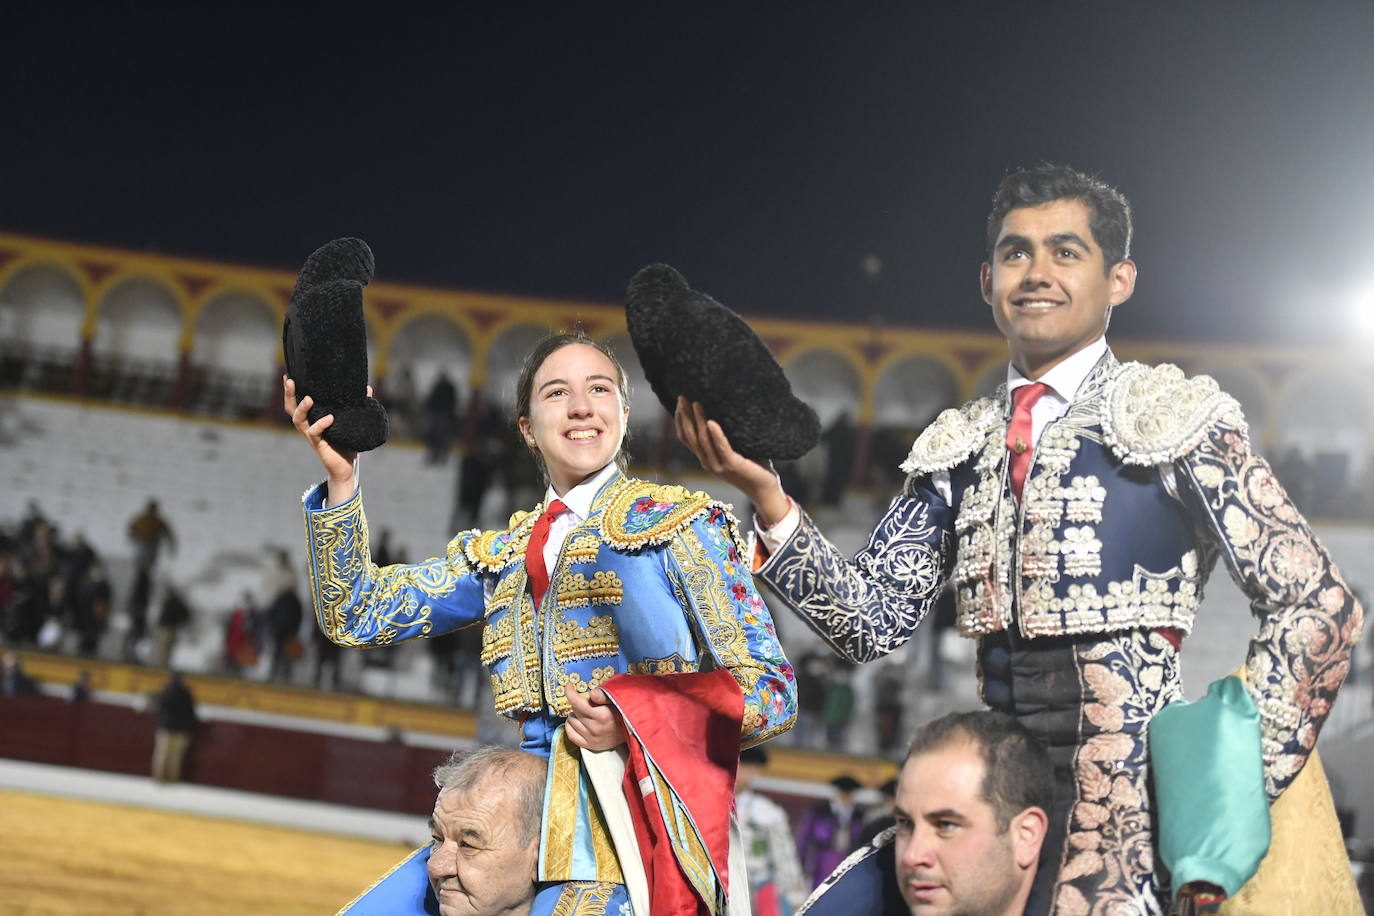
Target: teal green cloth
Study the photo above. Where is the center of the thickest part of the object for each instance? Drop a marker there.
(1209, 787)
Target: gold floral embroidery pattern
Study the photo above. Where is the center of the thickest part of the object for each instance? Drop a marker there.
(701, 587)
(598, 676)
(498, 640)
(582, 547)
(505, 689)
(389, 602)
(669, 509)
(494, 550)
(584, 898)
(599, 637)
(1310, 619)
(673, 664)
(576, 590)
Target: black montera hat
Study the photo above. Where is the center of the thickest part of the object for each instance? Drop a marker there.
(691, 345)
(324, 342)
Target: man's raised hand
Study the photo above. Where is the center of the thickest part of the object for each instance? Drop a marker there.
(704, 437)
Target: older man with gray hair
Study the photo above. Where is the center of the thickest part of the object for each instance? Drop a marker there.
(485, 827)
(484, 853)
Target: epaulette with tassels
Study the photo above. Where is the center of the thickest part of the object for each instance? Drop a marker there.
(494, 550)
(639, 513)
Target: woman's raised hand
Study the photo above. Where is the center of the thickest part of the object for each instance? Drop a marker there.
(338, 465)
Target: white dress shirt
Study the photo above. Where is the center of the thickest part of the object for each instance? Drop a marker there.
(579, 503)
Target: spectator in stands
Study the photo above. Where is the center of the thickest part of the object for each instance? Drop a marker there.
(284, 613)
(830, 829)
(839, 705)
(475, 474)
(327, 655)
(839, 459)
(813, 677)
(889, 707)
(9, 591)
(401, 398)
(81, 688)
(775, 872)
(241, 645)
(148, 531)
(971, 819)
(174, 615)
(28, 525)
(383, 554)
(93, 599)
(13, 681)
(39, 558)
(882, 815)
(284, 617)
(140, 598)
(176, 725)
(441, 418)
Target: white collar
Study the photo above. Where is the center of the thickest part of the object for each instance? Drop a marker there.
(579, 498)
(1068, 376)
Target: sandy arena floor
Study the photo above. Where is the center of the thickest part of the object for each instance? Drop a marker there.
(61, 855)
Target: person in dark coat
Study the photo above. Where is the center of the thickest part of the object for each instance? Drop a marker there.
(176, 725)
(13, 681)
(284, 618)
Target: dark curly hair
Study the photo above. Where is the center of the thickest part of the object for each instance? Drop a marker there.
(1046, 183)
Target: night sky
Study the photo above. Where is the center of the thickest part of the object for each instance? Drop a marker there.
(764, 149)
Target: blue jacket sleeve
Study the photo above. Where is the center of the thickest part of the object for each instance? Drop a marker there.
(358, 603)
(711, 577)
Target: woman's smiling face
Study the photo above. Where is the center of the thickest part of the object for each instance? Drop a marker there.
(577, 414)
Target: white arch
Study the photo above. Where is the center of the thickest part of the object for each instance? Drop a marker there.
(428, 345)
(139, 319)
(504, 359)
(912, 391)
(1326, 410)
(237, 332)
(827, 382)
(1245, 386)
(41, 306)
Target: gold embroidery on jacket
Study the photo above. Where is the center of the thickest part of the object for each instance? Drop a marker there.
(582, 547)
(576, 590)
(598, 638)
(673, 664)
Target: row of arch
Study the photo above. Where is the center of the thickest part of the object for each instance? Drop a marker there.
(121, 306)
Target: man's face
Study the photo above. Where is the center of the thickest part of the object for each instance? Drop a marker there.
(1048, 285)
(951, 858)
(478, 865)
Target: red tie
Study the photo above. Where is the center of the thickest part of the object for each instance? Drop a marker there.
(534, 551)
(1019, 439)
